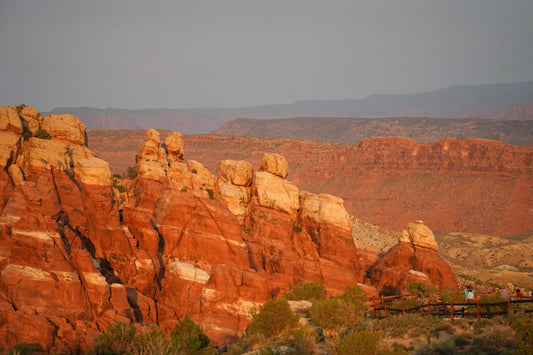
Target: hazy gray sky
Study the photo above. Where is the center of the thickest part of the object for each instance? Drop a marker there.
(173, 54)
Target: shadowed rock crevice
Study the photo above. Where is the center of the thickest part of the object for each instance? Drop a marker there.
(105, 268)
(132, 300)
(160, 251)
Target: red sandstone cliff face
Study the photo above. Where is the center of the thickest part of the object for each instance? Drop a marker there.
(74, 260)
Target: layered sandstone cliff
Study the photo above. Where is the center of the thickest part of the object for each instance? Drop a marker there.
(77, 254)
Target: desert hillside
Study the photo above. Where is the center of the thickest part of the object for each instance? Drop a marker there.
(471, 185)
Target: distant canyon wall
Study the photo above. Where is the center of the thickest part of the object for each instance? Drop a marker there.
(514, 112)
(471, 185)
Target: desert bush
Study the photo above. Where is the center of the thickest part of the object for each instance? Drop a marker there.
(522, 324)
(153, 341)
(119, 338)
(25, 349)
(400, 325)
(450, 294)
(404, 304)
(494, 299)
(462, 339)
(187, 337)
(327, 314)
(308, 291)
(121, 188)
(441, 326)
(273, 317)
(422, 291)
(494, 342)
(131, 172)
(428, 345)
(20, 108)
(360, 342)
(299, 341)
(355, 298)
(42, 134)
(210, 193)
(297, 229)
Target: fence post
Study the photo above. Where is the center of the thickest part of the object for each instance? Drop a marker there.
(386, 311)
(451, 310)
(478, 310)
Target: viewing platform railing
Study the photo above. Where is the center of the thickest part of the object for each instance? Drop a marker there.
(382, 307)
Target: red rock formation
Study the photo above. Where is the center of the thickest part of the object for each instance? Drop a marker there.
(73, 260)
(414, 259)
(389, 181)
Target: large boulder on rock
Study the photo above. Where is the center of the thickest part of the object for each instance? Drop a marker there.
(325, 209)
(418, 234)
(174, 146)
(413, 259)
(66, 128)
(10, 120)
(275, 193)
(236, 172)
(93, 171)
(275, 164)
(32, 117)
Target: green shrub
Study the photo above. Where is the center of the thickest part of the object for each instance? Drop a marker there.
(493, 299)
(42, 134)
(131, 172)
(434, 346)
(299, 341)
(153, 341)
(450, 294)
(194, 171)
(297, 229)
(25, 349)
(495, 342)
(355, 297)
(462, 339)
(119, 338)
(121, 188)
(362, 342)
(404, 304)
(210, 193)
(273, 317)
(353, 302)
(522, 324)
(328, 314)
(188, 337)
(308, 291)
(27, 134)
(422, 291)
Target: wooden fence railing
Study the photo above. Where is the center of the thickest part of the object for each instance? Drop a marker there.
(382, 308)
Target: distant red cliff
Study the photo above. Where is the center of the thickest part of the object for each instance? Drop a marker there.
(472, 185)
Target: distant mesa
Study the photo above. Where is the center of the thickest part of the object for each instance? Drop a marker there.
(497, 101)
